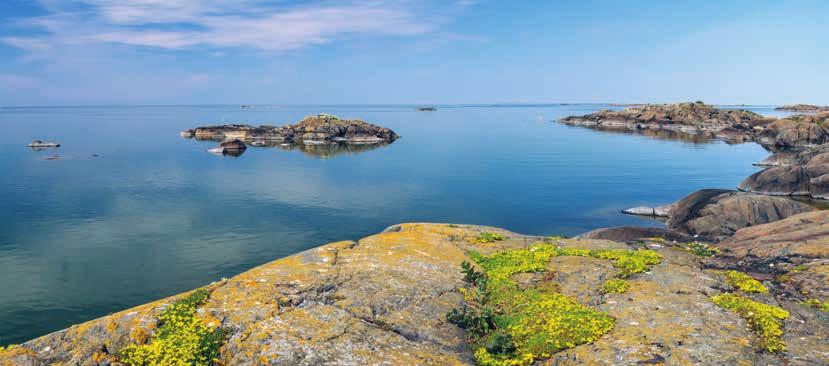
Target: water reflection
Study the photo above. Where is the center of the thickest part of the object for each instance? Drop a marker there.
(317, 150)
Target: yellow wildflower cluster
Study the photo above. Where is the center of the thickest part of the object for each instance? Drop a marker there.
(487, 237)
(536, 322)
(744, 282)
(615, 286)
(766, 320)
(182, 339)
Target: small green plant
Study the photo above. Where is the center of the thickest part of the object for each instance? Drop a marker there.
(817, 304)
(766, 320)
(181, 338)
(702, 249)
(452, 225)
(487, 237)
(744, 282)
(615, 286)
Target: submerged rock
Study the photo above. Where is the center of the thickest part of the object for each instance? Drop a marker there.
(322, 128)
(716, 214)
(383, 300)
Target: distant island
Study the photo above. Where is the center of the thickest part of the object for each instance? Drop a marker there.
(803, 108)
(313, 130)
(427, 109)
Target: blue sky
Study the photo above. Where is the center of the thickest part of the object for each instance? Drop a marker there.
(81, 52)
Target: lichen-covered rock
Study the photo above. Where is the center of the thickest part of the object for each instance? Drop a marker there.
(802, 172)
(803, 108)
(716, 214)
(383, 301)
(319, 129)
(800, 236)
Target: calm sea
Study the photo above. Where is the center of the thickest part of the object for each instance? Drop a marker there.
(131, 212)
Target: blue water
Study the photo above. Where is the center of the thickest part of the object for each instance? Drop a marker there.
(154, 214)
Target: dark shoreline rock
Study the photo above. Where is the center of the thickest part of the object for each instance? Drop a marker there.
(314, 130)
(802, 172)
(716, 214)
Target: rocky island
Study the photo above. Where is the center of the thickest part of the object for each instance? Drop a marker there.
(314, 130)
(699, 119)
(803, 108)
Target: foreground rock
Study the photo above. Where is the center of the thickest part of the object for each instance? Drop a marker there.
(803, 108)
(802, 172)
(383, 300)
(705, 121)
(716, 214)
(626, 234)
(320, 129)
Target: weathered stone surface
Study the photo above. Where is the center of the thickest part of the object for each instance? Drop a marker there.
(382, 301)
(716, 214)
(634, 233)
(318, 129)
(804, 172)
(658, 211)
(800, 236)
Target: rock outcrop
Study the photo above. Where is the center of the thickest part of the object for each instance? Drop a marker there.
(705, 121)
(314, 130)
(383, 300)
(658, 211)
(803, 108)
(626, 234)
(716, 214)
(803, 172)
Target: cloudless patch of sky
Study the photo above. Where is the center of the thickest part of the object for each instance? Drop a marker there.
(388, 51)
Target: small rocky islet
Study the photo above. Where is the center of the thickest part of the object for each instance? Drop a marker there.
(313, 130)
(736, 277)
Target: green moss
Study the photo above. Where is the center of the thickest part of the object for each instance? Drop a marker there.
(509, 325)
(615, 286)
(766, 320)
(817, 304)
(744, 282)
(181, 338)
(702, 249)
(487, 237)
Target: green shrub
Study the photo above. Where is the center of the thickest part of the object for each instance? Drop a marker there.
(702, 249)
(766, 320)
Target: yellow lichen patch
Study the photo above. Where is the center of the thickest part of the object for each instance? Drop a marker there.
(488, 237)
(766, 320)
(744, 282)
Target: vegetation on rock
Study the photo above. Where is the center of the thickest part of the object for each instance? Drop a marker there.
(766, 320)
(615, 286)
(702, 249)
(817, 304)
(511, 325)
(181, 339)
(487, 237)
(744, 282)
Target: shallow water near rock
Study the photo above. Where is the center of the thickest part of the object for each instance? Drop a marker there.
(132, 212)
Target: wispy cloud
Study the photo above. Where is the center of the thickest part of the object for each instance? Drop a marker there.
(217, 24)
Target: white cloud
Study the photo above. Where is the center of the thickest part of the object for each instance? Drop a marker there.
(187, 24)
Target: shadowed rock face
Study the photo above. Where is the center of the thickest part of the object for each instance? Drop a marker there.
(803, 172)
(320, 129)
(702, 122)
(716, 214)
(383, 300)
